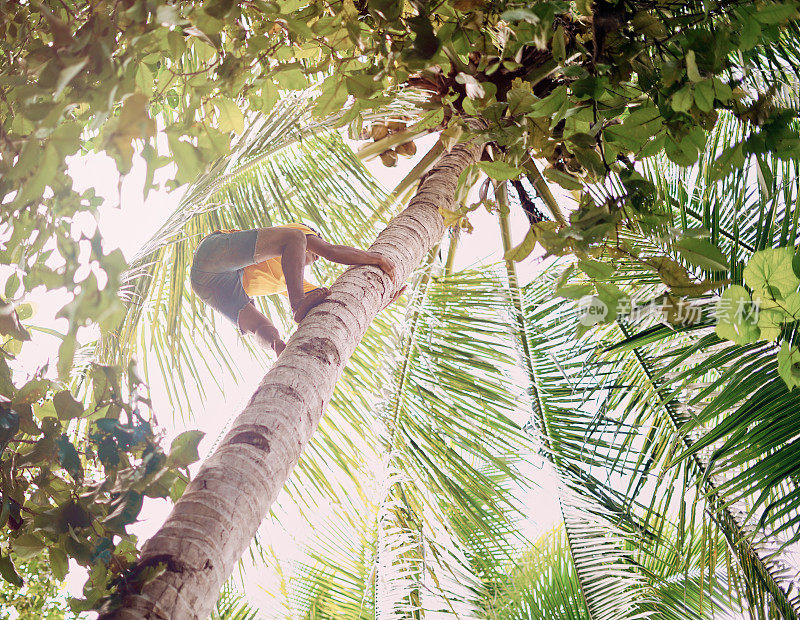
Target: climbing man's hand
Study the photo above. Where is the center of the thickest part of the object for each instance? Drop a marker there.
(384, 264)
(278, 346)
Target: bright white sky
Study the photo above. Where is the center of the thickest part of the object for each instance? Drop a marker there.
(126, 221)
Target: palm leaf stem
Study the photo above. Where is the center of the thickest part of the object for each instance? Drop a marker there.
(422, 166)
(519, 317)
(521, 330)
(420, 292)
(543, 190)
(389, 142)
(455, 235)
(407, 345)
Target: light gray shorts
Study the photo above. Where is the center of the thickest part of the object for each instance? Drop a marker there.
(217, 267)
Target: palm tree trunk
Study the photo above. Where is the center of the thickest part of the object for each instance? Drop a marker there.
(212, 525)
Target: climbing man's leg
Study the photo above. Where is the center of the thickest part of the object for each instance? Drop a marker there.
(251, 321)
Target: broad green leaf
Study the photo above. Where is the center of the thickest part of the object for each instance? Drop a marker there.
(704, 95)
(683, 153)
(683, 99)
(66, 356)
(647, 23)
(32, 391)
(66, 75)
(549, 105)
(27, 546)
(332, 98)
(8, 572)
(701, 253)
(558, 44)
(731, 158)
(187, 158)
(637, 128)
(68, 458)
(25, 311)
(771, 270)
(776, 12)
(66, 406)
(362, 86)
(591, 161)
(12, 284)
(125, 510)
(567, 181)
(230, 116)
(133, 123)
(7, 387)
(574, 291)
(500, 170)
(751, 31)
(218, 9)
(59, 563)
(523, 250)
(516, 15)
(595, 269)
(66, 138)
(770, 322)
(9, 425)
(691, 67)
(178, 487)
(736, 317)
(722, 90)
(615, 299)
(108, 451)
(792, 305)
(183, 450)
(789, 364)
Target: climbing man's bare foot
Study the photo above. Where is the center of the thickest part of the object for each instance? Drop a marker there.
(270, 339)
(311, 299)
(278, 346)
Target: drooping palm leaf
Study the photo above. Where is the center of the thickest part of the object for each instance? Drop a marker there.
(441, 549)
(610, 429)
(285, 168)
(742, 421)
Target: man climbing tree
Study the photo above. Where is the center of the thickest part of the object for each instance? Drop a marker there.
(232, 266)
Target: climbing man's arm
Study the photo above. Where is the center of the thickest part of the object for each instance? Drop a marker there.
(346, 255)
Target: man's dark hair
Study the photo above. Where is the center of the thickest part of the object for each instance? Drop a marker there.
(314, 229)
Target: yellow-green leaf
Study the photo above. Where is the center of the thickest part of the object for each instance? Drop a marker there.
(701, 253)
(183, 450)
(66, 406)
(736, 317)
(771, 270)
(230, 116)
(500, 170)
(27, 546)
(789, 364)
(59, 563)
(524, 249)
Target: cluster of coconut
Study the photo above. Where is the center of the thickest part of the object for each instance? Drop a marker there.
(380, 130)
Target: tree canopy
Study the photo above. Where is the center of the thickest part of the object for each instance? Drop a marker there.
(597, 97)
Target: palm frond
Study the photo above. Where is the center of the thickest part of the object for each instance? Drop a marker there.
(611, 428)
(231, 605)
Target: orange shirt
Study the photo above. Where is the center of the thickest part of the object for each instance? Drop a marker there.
(266, 278)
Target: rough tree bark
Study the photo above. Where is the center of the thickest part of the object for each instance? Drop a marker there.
(212, 525)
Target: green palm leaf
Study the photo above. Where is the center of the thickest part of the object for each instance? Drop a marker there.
(278, 174)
